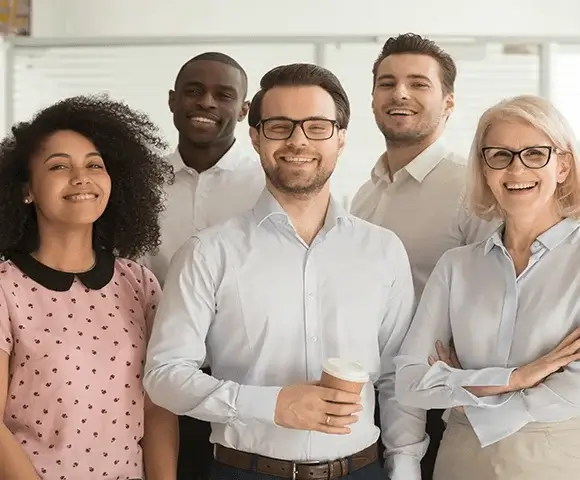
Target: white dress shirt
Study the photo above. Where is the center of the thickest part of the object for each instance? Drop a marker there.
(424, 204)
(498, 322)
(266, 310)
(195, 201)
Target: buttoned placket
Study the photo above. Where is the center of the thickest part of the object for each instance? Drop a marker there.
(511, 298)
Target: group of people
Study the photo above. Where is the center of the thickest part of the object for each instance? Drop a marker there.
(147, 302)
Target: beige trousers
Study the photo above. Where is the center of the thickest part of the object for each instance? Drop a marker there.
(539, 451)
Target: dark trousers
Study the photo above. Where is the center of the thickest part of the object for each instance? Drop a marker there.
(219, 471)
(195, 451)
(435, 428)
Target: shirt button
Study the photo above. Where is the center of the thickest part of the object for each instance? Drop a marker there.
(311, 294)
(314, 339)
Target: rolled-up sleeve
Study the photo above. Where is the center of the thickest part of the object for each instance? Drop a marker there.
(177, 349)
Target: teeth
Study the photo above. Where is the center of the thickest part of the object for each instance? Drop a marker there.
(203, 120)
(81, 196)
(297, 159)
(520, 186)
(400, 112)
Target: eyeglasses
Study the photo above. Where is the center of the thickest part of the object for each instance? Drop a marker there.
(281, 128)
(532, 157)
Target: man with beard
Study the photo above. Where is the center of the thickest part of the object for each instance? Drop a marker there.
(417, 187)
(268, 296)
(215, 178)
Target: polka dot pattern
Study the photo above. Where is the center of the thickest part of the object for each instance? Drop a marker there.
(75, 401)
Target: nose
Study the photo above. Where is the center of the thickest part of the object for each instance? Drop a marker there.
(80, 176)
(207, 101)
(298, 138)
(516, 166)
(400, 92)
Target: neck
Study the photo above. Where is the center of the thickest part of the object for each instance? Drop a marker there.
(400, 154)
(70, 251)
(521, 231)
(307, 213)
(203, 157)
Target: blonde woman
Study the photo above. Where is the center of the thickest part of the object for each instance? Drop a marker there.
(511, 305)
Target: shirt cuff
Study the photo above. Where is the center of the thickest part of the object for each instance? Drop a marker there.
(403, 467)
(487, 377)
(257, 404)
(492, 425)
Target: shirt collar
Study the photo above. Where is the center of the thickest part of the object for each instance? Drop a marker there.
(550, 239)
(95, 279)
(419, 167)
(229, 160)
(267, 206)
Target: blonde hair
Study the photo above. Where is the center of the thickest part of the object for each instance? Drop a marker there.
(542, 115)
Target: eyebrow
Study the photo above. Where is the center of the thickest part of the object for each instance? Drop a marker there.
(66, 155)
(221, 86)
(416, 76)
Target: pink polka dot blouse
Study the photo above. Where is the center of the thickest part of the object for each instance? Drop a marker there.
(77, 349)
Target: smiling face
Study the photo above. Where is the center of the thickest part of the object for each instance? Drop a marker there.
(69, 185)
(520, 190)
(408, 100)
(298, 165)
(208, 102)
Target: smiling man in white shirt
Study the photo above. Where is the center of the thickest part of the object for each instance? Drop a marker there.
(268, 296)
(417, 187)
(215, 178)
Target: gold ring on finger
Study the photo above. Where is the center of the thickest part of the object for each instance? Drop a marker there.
(328, 419)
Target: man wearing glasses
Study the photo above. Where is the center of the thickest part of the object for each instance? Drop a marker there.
(269, 296)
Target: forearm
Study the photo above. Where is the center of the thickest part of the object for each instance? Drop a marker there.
(441, 386)
(182, 388)
(403, 434)
(14, 463)
(160, 444)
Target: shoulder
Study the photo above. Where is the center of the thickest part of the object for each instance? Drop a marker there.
(137, 274)
(360, 196)
(374, 239)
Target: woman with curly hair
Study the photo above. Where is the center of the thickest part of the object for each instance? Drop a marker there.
(80, 193)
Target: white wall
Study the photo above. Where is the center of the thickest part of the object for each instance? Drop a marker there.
(3, 75)
(528, 18)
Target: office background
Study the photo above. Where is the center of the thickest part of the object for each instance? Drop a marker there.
(132, 49)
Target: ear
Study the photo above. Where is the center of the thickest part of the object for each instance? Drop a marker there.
(27, 196)
(449, 104)
(564, 167)
(255, 137)
(341, 140)
(171, 100)
(244, 111)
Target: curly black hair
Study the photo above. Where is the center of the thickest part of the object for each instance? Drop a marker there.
(131, 148)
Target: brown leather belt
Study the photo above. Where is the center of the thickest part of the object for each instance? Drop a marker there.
(296, 471)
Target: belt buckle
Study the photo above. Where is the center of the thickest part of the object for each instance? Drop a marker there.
(294, 471)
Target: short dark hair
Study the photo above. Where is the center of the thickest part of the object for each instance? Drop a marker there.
(413, 43)
(130, 146)
(301, 74)
(216, 57)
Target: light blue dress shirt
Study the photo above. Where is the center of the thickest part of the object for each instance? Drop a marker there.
(498, 322)
(266, 310)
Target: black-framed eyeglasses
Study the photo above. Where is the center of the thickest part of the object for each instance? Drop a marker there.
(498, 158)
(282, 128)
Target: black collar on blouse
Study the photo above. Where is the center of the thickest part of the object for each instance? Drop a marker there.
(95, 279)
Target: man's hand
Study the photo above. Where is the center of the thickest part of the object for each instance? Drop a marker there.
(310, 407)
